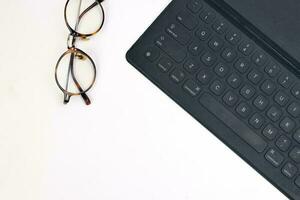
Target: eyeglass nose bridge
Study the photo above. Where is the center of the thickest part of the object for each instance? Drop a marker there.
(72, 40)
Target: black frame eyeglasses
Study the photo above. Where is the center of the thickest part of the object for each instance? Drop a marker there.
(74, 53)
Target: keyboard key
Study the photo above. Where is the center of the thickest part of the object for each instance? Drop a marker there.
(244, 110)
(274, 157)
(230, 98)
(178, 33)
(287, 124)
(208, 16)
(216, 44)
(177, 76)
(165, 64)
(191, 66)
(295, 154)
(221, 70)
(283, 143)
(274, 114)
(203, 33)
(246, 48)
(152, 54)
(234, 81)
(194, 6)
(261, 103)
(296, 91)
(247, 91)
(169, 46)
(220, 26)
(270, 132)
(272, 70)
(192, 88)
(204, 77)
(256, 121)
(242, 65)
(289, 170)
(195, 48)
(281, 98)
(209, 59)
(234, 123)
(229, 55)
(297, 136)
(285, 80)
(268, 87)
(233, 37)
(217, 87)
(259, 58)
(187, 20)
(255, 76)
(297, 181)
(294, 109)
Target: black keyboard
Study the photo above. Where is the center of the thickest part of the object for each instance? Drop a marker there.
(230, 82)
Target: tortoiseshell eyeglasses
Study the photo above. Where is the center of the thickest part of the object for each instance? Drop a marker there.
(75, 71)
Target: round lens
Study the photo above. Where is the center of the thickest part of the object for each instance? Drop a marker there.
(75, 72)
(84, 17)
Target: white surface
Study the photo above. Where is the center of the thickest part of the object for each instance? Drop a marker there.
(132, 143)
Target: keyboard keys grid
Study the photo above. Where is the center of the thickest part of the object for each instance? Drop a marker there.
(211, 61)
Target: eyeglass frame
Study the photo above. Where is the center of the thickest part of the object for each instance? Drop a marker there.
(73, 35)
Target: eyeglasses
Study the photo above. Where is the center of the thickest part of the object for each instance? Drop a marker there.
(75, 71)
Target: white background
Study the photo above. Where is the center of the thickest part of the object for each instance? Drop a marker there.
(132, 143)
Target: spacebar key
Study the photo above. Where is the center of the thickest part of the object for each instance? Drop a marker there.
(236, 125)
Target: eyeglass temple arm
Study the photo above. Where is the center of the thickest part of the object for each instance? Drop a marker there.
(89, 8)
(82, 93)
(67, 96)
